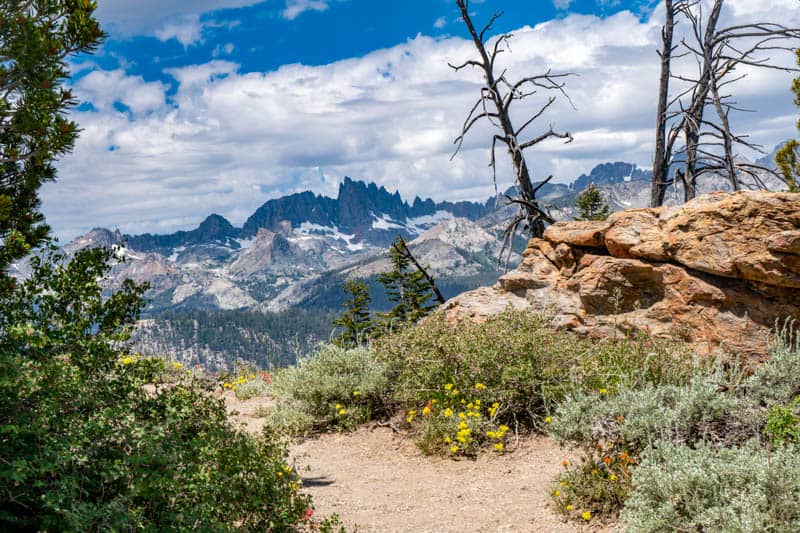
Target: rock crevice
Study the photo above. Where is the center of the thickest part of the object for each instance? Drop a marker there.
(718, 272)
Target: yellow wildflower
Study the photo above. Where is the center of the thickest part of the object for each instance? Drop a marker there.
(461, 439)
(547, 420)
(338, 406)
(586, 515)
(478, 403)
(557, 493)
(612, 477)
(342, 411)
(448, 440)
(569, 507)
(480, 386)
(448, 412)
(177, 366)
(503, 428)
(491, 434)
(462, 416)
(426, 410)
(603, 392)
(470, 405)
(499, 446)
(462, 425)
(128, 360)
(453, 448)
(356, 393)
(448, 386)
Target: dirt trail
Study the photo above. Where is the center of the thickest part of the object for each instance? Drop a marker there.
(378, 481)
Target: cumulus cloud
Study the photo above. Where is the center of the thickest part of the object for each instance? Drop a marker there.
(155, 158)
(440, 23)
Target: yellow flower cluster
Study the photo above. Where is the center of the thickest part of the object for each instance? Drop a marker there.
(471, 418)
(241, 380)
(127, 360)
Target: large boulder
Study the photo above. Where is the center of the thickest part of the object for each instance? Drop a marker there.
(718, 272)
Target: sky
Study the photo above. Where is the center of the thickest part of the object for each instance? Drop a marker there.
(193, 107)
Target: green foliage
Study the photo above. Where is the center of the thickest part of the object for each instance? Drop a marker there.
(355, 322)
(525, 365)
(599, 484)
(634, 419)
(84, 446)
(782, 424)
(788, 157)
(36, 39)
(679, 488)
(459, 423)
(333, 387)
(591, 205)
(406, 288)
(719, 408)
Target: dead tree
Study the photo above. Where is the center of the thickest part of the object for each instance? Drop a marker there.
(708, 141)
(401, 248)
(497, 96)
(665, 139)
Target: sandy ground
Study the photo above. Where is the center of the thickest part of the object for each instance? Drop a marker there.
(376, 480)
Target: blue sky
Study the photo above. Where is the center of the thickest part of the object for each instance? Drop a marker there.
(200, 106)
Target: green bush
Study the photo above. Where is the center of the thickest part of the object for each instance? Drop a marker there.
(677, 488)
(333, 387)
(526, 366)
(84, 446)
(719, 407)
(456, 422)
(636, 419)
(782, 423)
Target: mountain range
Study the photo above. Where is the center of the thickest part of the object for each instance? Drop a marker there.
(296, 251)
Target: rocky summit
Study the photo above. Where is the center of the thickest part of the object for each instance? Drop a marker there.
(718, 272)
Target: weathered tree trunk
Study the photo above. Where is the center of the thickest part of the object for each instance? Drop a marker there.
(663, 153)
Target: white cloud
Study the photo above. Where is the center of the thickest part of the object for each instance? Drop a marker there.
(164, 19)
(186, 31)
(440, 23)
(562, 4)
(225, 140)
(294, 8)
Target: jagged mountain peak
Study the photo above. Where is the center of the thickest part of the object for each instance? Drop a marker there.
(95, 238)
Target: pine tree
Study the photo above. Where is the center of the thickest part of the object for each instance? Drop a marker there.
(788, 157)
(36, 39)
(355, 321)
(406, 287)
(591, 205)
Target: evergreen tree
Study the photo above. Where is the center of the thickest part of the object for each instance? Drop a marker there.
(36, 39)
(788, 157)
(355, 322)
(406, 287)
(591, 205)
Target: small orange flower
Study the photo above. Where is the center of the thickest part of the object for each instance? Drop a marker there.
(607, 460)
(565, 463)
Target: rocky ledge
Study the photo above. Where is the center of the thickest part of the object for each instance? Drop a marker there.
(718, 272)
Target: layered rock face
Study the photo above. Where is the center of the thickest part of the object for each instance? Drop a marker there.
(717, 272)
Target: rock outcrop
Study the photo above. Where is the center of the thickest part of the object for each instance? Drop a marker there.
(717, 272)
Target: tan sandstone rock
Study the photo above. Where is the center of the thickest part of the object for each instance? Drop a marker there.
(717, 272)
